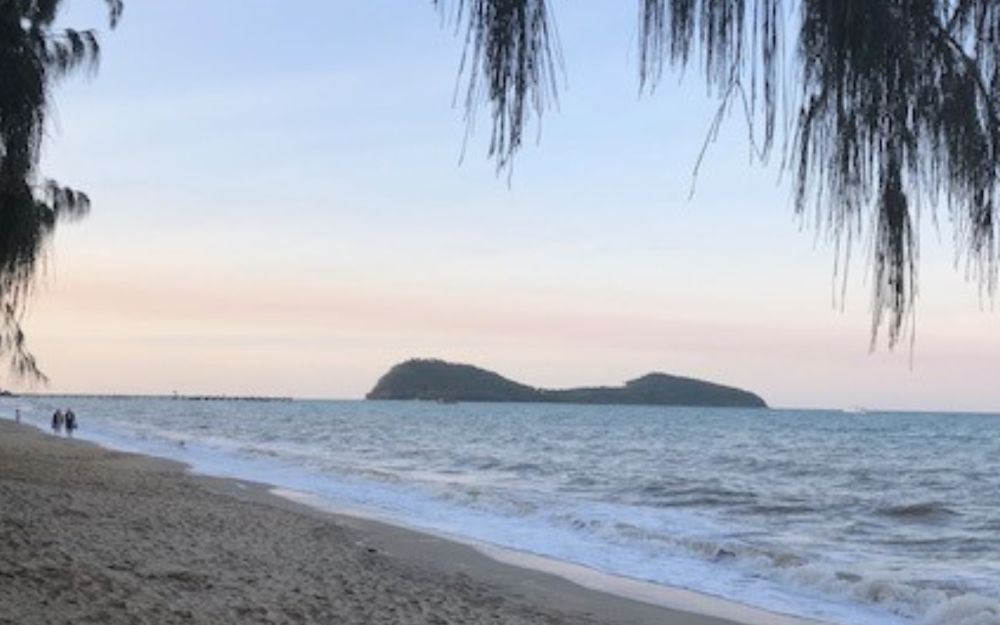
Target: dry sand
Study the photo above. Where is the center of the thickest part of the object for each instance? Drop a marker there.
(89, 535)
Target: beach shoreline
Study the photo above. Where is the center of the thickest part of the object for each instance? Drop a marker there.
(96, 535)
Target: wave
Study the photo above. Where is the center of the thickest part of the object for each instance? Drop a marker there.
(661, 494)
(927, 511)
(526, 468)
(924, 602)
(965, 610)
(780, 509)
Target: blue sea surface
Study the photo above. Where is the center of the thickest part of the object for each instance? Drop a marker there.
(850, 518)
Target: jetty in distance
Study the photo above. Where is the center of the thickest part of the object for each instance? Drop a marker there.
(253, 398)
(178, 396)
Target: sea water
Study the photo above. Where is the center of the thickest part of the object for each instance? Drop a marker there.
(857, 519)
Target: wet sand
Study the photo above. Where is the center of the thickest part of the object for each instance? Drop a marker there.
(89, 535)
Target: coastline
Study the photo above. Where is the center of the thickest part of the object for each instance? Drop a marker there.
(92, 534)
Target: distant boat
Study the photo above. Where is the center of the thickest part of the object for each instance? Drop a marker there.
(855, 410)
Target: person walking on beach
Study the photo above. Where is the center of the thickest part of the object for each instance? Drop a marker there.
(57, 421)
(70, 423)
(17, 415)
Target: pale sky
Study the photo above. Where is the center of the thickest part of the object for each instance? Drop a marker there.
(279, 208)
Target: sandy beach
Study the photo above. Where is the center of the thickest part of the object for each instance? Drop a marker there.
(89, 535)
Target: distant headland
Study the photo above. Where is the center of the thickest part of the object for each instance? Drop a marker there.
(437, 380)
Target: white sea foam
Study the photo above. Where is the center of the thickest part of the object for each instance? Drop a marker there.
(965, 610)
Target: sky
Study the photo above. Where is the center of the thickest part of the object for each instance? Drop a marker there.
(289, 204)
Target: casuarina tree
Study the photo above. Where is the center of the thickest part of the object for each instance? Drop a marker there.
(878, 106)
(34, 55)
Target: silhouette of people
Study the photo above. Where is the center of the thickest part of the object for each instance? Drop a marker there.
(17, 415)
(57, 421)
(70, 423)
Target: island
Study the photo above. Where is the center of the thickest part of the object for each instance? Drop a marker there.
(438, 380)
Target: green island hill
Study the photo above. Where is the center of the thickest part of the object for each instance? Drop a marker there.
(437, 380)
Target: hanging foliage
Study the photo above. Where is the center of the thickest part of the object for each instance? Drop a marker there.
(33, 57)
(893, 103)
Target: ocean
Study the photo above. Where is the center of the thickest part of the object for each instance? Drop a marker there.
(848, 518)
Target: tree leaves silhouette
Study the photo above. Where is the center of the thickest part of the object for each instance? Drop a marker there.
(893, 103)
(34, 55)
